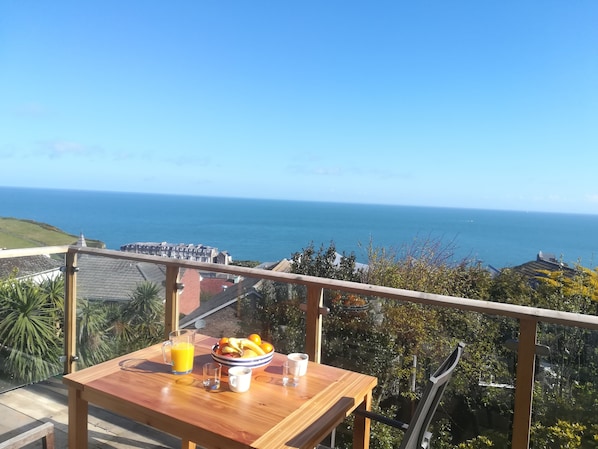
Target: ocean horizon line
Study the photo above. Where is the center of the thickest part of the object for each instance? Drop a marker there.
(298, 200)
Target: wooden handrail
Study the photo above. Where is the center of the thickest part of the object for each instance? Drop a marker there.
(37, 251)
(453, 302)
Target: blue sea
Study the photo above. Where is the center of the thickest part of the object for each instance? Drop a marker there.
(270, 230)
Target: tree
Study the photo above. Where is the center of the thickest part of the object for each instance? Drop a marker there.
(142, 322)
(355, 338)
(561, 435)
(427, 333)
(582, 286)
(276, 313)
(29, 331)
(321, 263)
(92, 333)
(568, 381)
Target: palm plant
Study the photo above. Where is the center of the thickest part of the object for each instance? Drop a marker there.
(53, 289)
(142, 321)
(92, 340)
(28, 331)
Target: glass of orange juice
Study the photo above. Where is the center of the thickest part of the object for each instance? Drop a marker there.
(180, 355)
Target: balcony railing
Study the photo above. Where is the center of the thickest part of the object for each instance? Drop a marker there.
(527, 317)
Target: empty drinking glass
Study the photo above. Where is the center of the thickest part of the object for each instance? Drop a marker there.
(211, 376)
(290, 373)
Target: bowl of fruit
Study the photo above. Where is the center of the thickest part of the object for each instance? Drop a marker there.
(250, 352)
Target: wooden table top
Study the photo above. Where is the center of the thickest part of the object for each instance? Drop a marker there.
(269, 415)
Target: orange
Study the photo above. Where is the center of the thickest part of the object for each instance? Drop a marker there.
(255, 338)
(223, 341)
(267, 347)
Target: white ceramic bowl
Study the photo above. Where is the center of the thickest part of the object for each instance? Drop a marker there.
(250, 362)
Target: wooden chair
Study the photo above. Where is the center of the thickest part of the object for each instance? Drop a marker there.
(45, 432)
(417, 435)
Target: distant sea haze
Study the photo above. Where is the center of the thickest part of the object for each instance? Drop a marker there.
(270, 230)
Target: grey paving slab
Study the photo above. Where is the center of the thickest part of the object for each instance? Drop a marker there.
(25, 407)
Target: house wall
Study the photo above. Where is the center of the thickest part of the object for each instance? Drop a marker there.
(189, 298)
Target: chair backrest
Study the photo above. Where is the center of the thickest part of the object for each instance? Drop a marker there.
(417, 435)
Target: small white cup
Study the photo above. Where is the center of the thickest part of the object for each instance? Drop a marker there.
(301, 360)
(239, 379)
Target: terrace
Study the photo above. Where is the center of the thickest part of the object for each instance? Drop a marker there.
(128, 434)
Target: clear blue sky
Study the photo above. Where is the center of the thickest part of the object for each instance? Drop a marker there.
(480, 104)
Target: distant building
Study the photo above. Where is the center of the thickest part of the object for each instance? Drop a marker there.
(544, 262)
(37, 268)
(115, 280)
(197, 253)
(220, 315)
(105, 279)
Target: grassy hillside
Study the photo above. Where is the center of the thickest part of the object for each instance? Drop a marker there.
(16, 233)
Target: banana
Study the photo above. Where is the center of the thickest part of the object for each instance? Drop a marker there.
(235, 343)
(246, 343)
(229, 350)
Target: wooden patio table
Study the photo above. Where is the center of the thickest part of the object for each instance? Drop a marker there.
(141, 387)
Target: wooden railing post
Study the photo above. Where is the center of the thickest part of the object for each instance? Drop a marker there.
(524, 383)
(70, 313)
(171, 319)
(313, 317)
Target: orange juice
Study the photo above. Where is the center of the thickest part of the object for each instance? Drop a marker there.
(182, 357)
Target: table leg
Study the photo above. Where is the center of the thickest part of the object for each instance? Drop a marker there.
(78, 410)
(361, 425)
(186, 444)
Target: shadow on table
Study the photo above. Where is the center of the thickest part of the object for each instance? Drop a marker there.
(144, 366)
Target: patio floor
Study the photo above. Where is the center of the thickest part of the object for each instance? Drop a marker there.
(26, 407)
